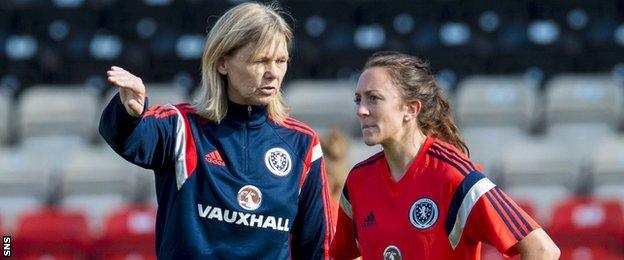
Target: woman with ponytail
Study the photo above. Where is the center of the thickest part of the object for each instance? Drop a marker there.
(422, 197)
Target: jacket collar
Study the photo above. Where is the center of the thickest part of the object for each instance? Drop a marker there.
(239, 115)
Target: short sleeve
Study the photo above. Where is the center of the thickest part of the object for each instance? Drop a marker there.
(497, 220)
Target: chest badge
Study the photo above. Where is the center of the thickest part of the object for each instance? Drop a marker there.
(277, 160)
(392, 253)
(249, 197)
(423, 213)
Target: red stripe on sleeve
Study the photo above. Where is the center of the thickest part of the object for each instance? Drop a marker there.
(296, 122)
(329, 226)
(191, 151)
(297, 126)
(307, 163)
(292, 124)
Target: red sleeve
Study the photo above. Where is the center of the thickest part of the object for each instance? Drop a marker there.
(497, 220)
(344, 244)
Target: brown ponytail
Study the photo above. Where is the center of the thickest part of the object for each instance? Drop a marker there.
(417, 82)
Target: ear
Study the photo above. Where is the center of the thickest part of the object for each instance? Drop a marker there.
(222, 66)
(413, 109)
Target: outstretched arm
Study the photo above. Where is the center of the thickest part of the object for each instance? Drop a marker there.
(141, 136)
(497, 220)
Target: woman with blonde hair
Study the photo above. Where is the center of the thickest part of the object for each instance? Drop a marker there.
(235, 176)
(422, 197)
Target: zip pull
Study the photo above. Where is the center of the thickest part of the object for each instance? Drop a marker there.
(248, 110)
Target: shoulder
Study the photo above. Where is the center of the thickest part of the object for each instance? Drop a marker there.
(294, 125)
(361, 169)
(300, 137)
(455, 169)
(365, 164)
(162, 111)
(361, 172)
(453, 162)
(185, 108)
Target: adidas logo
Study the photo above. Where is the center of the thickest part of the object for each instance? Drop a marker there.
(369, 221)
(215, 158)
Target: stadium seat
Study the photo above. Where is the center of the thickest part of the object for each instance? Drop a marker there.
(323, 104)
(158, 94)
(58, 110)
(582, 109)
(498, 100)
(489, 252)
(589, 222)
(52, 121)
(129, 233)
(589, 228)
(578, 249)
(493, 111)
(97, 176)
(539, 172)
(145, 188)
(607, 168)
(52, 232)
(588, 253)
(165, 93)
(6, 102)
(24, 184)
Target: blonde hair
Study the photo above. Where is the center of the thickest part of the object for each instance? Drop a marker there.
(248, 23)
(416, 82)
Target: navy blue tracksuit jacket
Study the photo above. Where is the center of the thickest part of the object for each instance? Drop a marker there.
(245, 188)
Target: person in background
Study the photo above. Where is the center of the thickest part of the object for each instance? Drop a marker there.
(422, 197)
(236, 178)
(335, 150)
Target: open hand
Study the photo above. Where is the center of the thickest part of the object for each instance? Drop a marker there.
(131, 89)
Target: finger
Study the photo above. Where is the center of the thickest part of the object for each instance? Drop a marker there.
(118, 72)
(112, 79)
(121, 82)
(124, 77)
(117, 68)
(127, 83)
(114, 72)
(115, 79)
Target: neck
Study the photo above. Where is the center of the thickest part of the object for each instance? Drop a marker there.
(401, 153)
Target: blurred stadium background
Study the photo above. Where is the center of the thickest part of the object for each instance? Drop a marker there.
(537, 88)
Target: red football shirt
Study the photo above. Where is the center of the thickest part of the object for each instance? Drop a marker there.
(442, 208)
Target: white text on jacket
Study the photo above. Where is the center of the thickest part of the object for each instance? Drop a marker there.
(244, 219)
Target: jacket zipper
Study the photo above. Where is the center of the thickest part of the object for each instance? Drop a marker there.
(246, 144)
